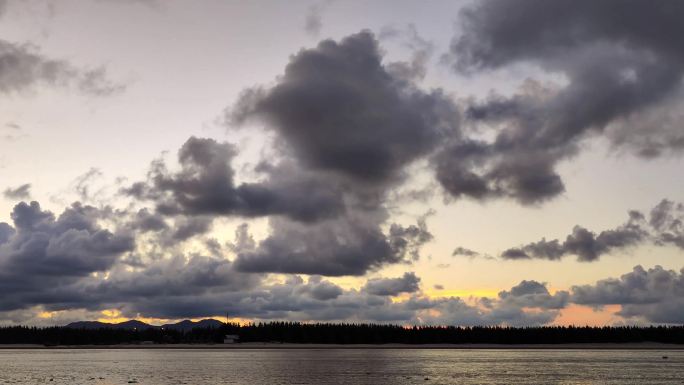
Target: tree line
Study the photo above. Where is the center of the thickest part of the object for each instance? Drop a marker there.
(345, 333)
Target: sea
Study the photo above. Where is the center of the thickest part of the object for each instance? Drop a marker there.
(341, 366)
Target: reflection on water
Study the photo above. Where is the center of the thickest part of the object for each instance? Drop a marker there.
(319, 367)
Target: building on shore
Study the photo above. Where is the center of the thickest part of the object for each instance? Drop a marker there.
(231, 338)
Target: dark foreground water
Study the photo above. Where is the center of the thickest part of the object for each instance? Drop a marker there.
(320, 367)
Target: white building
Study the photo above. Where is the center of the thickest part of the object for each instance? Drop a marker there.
(231, 338)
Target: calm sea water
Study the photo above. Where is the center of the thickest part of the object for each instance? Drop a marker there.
(319, 367)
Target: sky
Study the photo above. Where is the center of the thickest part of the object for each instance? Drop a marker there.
(494, 162)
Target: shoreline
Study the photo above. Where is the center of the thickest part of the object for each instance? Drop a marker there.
(293, 346)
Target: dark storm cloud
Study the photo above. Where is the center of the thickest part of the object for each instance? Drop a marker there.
(664, 227)
(19, 192)
(23, 67)
(349, 245)
(41, 251)
(349, 121)
(205, 185)
(618, 69)
(655, 295)
(339, 109)
(321, 223)
(408, 283)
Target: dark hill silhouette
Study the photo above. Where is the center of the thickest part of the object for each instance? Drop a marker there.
(185, 325)
(188, 325)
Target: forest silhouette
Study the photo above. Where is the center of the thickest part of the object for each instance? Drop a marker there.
(342, 333)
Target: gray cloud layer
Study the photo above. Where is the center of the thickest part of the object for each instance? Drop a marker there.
(205, 186)
(409, 283)
(654, 295)
(351, 245)
(347, 129)
(55, 263)
(201, 286)
(621, 74)
(663, 227)
(41, 253)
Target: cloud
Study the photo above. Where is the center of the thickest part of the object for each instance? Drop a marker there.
(410, 239)
(337, 108)
(655, 295)
(350, 245)
(12, 132)
(533, 294)
(346, 130)
(408, 283)
(319, 300)
(322, 290)
(320, 223)
(83, 184)
(528, 303)
(619, 77)
(470, 254)
(41, 251)
(146, 221)
(476, 169)
(176, 278)
(667, 219)
(462, 251)
(177, 291)
(72, 265)
(186, 228)
(19, 192)
(205, 185)
(456, 311)
(665, 227)
(421, 49)
(313, 22)
(22, 67)
(348, 126)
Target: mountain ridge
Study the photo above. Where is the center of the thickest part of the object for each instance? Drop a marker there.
(184, 325)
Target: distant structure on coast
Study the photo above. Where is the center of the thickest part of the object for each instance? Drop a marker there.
(230, 338)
